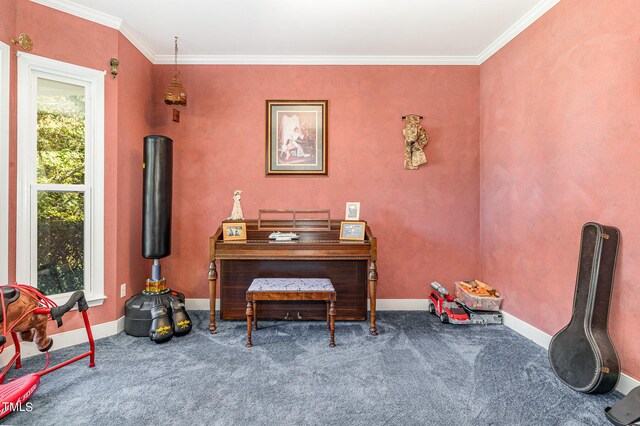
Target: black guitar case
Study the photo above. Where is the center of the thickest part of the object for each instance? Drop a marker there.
(582, 354)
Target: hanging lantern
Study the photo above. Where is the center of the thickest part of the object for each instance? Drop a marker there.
(175, 93)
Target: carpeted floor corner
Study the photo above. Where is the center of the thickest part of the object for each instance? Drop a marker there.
(416, 372)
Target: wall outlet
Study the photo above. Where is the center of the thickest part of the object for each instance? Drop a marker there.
(123, 290)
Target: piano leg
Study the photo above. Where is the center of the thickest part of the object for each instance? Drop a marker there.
(373, 280)
(212, 277)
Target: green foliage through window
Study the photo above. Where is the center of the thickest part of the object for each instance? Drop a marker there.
(61, 160)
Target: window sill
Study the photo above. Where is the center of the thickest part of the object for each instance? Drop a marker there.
(92, 300)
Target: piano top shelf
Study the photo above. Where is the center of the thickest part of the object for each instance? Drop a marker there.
(312, 242)
(294, 220)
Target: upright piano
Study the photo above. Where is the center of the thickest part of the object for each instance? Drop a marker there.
(317, 253)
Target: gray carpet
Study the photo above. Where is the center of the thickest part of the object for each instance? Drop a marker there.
(417, 371)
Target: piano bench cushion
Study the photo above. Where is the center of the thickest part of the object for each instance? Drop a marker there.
(291, 285)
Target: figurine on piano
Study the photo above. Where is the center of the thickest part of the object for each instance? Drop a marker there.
(236, 213)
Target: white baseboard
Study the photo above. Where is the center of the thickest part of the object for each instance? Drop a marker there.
(527, 330)
(400, 304)
(381, 304)
(199, 304)
(625, 384)
(66, 339)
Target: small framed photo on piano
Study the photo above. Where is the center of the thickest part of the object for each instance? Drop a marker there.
(234, 231)
(352, 211)
(352, 230)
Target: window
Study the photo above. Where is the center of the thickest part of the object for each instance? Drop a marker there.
(60, 218)
(4, 163)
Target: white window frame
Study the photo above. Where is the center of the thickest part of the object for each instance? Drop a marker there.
(30, 67)
(5, 58)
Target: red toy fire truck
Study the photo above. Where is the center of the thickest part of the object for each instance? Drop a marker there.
(442, 304)
(449, 310)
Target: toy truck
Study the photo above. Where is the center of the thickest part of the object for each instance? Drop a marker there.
(449, 310)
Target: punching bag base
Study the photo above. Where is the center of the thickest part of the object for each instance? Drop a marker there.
(137, 310)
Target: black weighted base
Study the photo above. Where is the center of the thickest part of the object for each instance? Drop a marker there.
(137, 311)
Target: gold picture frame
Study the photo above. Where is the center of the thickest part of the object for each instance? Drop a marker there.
(234, 231)
(296, 137)
(352, 231)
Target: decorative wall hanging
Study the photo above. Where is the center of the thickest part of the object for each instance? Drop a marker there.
(24, 41)
(175, 93)
(415, 139)
(114, 63)
(296, 138)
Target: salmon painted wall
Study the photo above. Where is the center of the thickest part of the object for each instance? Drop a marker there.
(135, 118)
(560, 132)
(7, 20)
(70, 39)
(426, 221)
(91, 45)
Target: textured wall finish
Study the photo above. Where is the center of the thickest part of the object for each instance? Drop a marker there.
(560, 132)
(135, 99)
(126, 122)
(426, 220)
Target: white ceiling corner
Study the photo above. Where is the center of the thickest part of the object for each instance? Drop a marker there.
(518, 27)
(299, 32)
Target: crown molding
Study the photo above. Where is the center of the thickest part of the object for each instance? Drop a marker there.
(101, 18)
(137, 42)
(98, 17)
(316, 60)
(540, 9)
(84, 12)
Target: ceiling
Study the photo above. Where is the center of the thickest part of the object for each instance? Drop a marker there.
(314, 31)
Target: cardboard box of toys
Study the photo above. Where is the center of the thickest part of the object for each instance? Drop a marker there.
(478, 295)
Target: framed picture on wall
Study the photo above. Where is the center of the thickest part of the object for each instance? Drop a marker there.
(352, 230)
(296, 138)
(234, 231)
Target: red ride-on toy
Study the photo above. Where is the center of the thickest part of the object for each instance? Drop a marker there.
(25, 310)
(442, 304)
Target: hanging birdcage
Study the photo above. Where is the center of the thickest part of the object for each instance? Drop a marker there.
(175, 93)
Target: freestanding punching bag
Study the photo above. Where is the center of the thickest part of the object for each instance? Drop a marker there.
(150, 312)
(156, 198)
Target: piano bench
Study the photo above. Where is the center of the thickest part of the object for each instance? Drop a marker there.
(283, 289)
